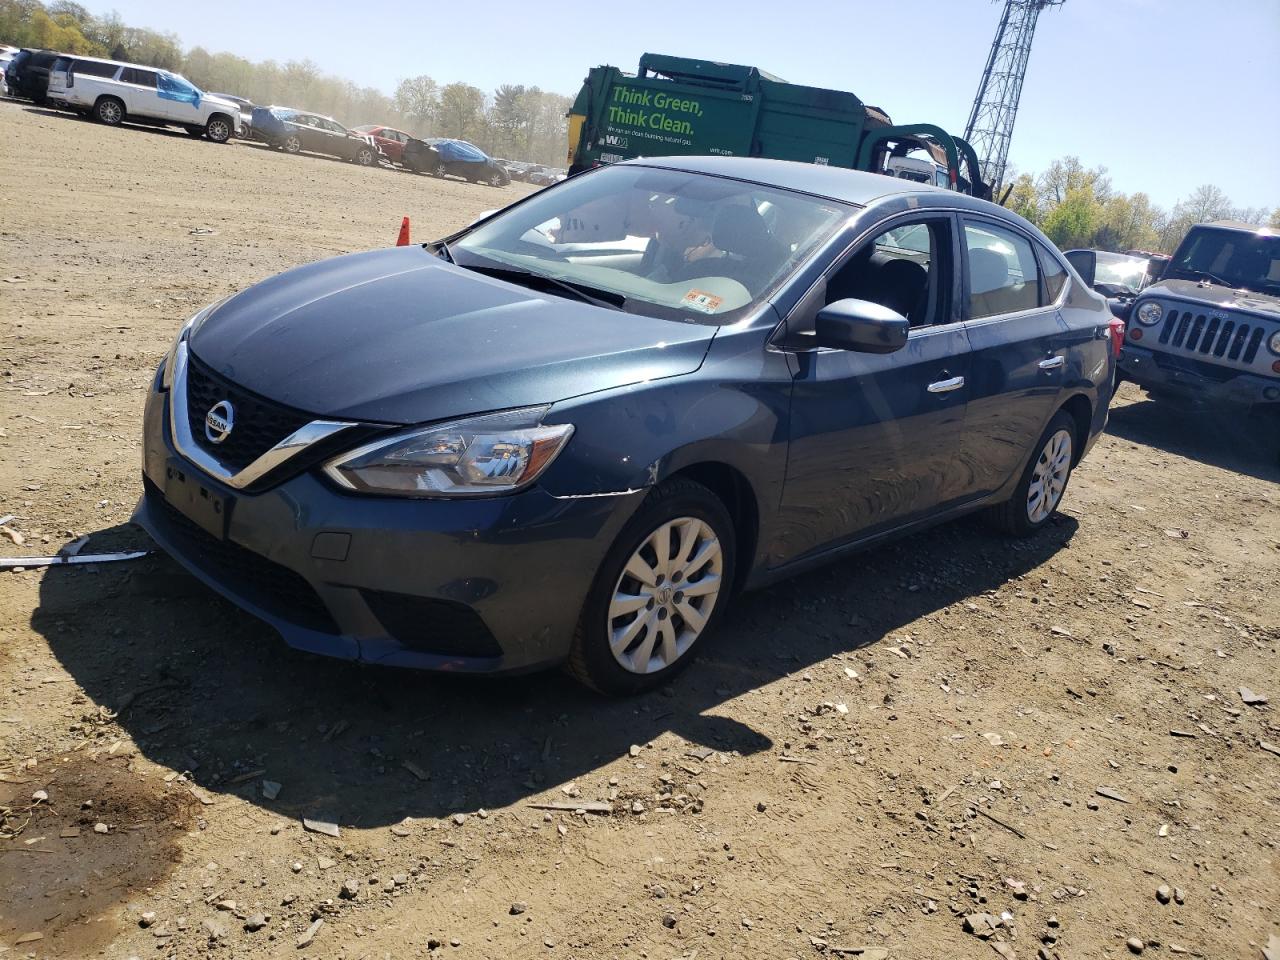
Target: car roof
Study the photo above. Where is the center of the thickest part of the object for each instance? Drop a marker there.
(1238, 225)
(120, 63)
(835, 183)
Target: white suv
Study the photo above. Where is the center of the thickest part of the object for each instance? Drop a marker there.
(114, 92)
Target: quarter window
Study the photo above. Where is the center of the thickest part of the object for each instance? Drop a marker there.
(1002, 271)
(89, 68)
(1055, 277)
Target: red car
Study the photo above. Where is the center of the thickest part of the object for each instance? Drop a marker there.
(391, 140)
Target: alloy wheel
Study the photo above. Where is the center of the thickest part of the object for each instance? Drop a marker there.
(1049, 477)
(109, 112)
(665, 595)
(219, 131)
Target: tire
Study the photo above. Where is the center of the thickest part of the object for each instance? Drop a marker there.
(438, 171)
(364, 156)
(1047, 474)
(495, 180)
(219, 129)
(698, 527)
(291, 144)
(109, 110)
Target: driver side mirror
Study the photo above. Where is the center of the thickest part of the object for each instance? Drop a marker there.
(861, 326)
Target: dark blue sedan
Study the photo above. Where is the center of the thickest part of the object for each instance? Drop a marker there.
(572, 432)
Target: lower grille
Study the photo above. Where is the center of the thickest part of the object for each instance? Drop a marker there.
(274, 588)
(432, 626)
(1216, 336)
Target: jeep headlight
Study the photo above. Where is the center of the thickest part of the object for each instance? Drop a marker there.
(1150, 313)
(478, 456)
(1273, 343)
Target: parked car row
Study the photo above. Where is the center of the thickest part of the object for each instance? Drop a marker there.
(114, 92)
(532, 172)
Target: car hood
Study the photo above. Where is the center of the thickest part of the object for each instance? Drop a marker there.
(400, 336)
(1223, 297)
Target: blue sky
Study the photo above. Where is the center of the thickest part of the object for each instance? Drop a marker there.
(1167, 94)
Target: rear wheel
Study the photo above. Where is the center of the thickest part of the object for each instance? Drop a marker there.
(1043, 482)
(109, 110)
(663, 585)
(291, 144)
(218, 129)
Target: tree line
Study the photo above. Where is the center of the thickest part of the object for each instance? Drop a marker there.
(515, 121)
(1077, 206)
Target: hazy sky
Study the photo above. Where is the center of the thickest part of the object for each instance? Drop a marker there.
(1167, 94)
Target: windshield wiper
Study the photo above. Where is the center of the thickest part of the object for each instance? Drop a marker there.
(442, 246)
(1210, 276)
(579, 291)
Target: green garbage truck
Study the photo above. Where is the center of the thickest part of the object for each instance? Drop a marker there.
(675, 105)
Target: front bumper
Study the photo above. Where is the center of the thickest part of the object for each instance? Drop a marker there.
(482, 585)
(1196, 379)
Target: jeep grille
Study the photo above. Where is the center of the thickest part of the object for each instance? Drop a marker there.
(1208, 335)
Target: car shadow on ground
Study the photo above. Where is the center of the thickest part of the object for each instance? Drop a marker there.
(202, 687)
(1229, 438)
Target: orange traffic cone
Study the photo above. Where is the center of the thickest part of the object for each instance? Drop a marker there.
(403, 239)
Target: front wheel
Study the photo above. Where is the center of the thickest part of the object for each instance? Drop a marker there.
(218, 129)
(662, 587)
(1043, 482)
(495, 179)
(291, 144)
(364, 156)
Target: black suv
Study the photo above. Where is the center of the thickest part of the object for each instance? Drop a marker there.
(27, 74)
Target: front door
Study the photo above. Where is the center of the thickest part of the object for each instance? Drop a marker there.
(1020, 346)
(874, 438)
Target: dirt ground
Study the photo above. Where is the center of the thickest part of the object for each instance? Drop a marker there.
(956, 725)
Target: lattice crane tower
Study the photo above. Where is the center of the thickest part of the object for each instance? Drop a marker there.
(995, 108)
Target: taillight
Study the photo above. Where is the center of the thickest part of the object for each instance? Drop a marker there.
(1117, 335)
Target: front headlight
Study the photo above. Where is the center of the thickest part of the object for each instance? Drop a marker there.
(1150, 313)
(197, 318)
(479, 456)
(1273, 343)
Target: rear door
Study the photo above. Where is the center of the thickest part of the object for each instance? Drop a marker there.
(1020, 343)
(341, 143)
(875, 438)
(138, 89)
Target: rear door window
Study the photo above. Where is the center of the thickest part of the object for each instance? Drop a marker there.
(1003, 277)
(142, 78)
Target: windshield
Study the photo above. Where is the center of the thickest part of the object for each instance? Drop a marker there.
(1120, 270)
(1233, 258)
(661, 242)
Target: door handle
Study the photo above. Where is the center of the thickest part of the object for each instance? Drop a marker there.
(946, 386)
(1052, 363)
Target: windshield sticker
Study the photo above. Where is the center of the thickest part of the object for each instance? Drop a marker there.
(701, 301)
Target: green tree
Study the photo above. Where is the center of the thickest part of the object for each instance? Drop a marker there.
(461, 112)
(418, 99)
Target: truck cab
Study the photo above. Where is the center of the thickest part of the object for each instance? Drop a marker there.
(1209, 329)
